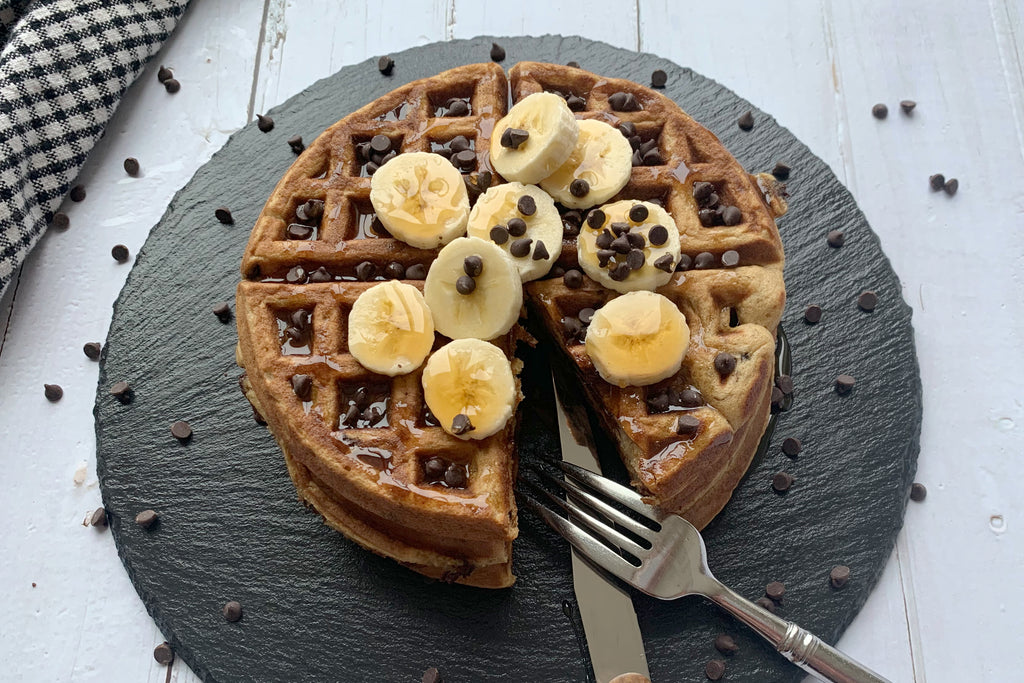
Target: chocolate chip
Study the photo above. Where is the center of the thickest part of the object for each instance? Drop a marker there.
(596, 219)
(725, 363)
(746, 120)
(122, 391)
(53, 392)
(120, 253)
(579, 188)
(146, 518)
(223, 312)
(264, 123)
(433, 468)
(844, 383)
(458, 108)
(321, 274)
(907, 106)
(162, 653)
(937, 182)
(366, 271)
(77, 193)
(131, 166)
(707, 217)
(295, 275)
(714, 670)
(657, 403)
(572, 326)
(163, 74)
(223, 215)
(951, 186)
(782, 481)
(98, 518)
(836, 239)
(540, 252)
(573, 279)
(181, 430)
(658, 235)
(604, 239)
(628, 129)
(527, 205)
(61, 221)
(172, 85)
(690, 398)
(465, 160)
(687, 425)
(465, 285)
(636, 240)
(521, 247)
(517, 227)
(385, 65)
(766, 604)
(731, 215)
(604, 256)
(417, 271)
(778, 399)
(92, 350)
(461, 425)
(298, 231)
(653, 158)
(879, 111)
(351, 416)
(295, 142)
(576, 103)
(775, 590)
(812, 314)
(726, 644)
(302, 385)
(867, 301)
(702, 190)
(497, 53)
(839, 576)
(918, 492)
(635, 259)
(587, 315)
(730, 258)
(483, 179)
(624, 101)
(638, 213)
(513, 137)
(785, 384)
(573, 64)
(781, 171)
(232, 610)
(621, 245)
(499, 234)
(380, 144)
(658, 78)
(473, 265)
(704, 260)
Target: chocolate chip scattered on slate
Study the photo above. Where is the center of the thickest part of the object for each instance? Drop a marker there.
(131, 166)
(731, 215)
(687, 425)
(98, 518)
(573, 279)
(907, 106)
(512, 138)
(540, 252)
(730, 258)
(867, 301)
(765, 603)
(813, 313)
(302, 385)
(461, 424)
(839, 576)
(499, 234)
(951, 186)
(785, 384)
(658, 78)
(624, 101)
(918, 492)
(92, 350)
(164, 74)
(417, 271)
(775, 590)
(163, 654)
(385, 65)
(223, 312)
(587, 315)
(879, 111)
(521, 247)
(714, 670)
(264, 123)
(53, 392)
(497, 53)
(746, 120)
(791, 446)
(465, 285)
(781, 170)
(431, 675)
(295, 142)
(844, 383)
(936, 182)
(77, 193)
(835, 238)
(172, 85)
(61, 221)
(638, 213)
(232, 610)
(726, 644)
(366, 271)
(120, 253)
(122, 391)
(146, 518)
(574, 64)
(181, 430)
(725, 363)
(778, 398)
(579, 188)
(223, 215)
(705, 259)
(527, 205)
(782, 481)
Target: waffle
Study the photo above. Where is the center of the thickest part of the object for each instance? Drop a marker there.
(734, 310)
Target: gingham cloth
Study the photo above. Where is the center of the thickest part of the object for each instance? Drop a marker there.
(64, 66)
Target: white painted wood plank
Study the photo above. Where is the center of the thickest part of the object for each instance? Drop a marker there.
(83, 620)
(611, 22)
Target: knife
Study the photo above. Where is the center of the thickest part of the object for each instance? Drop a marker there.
(609, 620)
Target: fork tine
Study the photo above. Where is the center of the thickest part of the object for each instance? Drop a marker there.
(584, 543)
(617, 492)
(623, 520)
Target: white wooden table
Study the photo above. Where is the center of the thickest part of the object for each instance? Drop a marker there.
(947, 608)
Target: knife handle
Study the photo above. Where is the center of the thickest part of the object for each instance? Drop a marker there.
(630, 678)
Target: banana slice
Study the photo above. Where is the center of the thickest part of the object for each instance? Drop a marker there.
(421, 199)
(469, 387)
(390, 329)
(642, 257)
(498, 217)
(473, 290)
(600, 166)
(637, 339)
(535, 138)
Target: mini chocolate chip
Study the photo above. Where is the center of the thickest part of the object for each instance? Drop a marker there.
(98, 518)
(92, 350)
(704, 260)
(295, 142)
(573, 279)
(77, 193)
(879, 111)
(164, 74)
(658, 235)
(918, 492)
(465, 160)
(573, 64)
(361, 398)
(146, 518)
(181, 430)
(302, 385)
(465, 285)
(620, 228)
(222, 311)
(708, 217)
(714, 670)
(844, 383)
(778, 398)
(120, 253)
(907, 106)
(587, 315)
(636, 240)
(295, 275)
(499, 234)
(433, 468)
(521, 247)
(576, 103)
(596, 219)
(473, 265)
(264, 123)
(653, 158)
(53, 392)
(497, 53)
(730, 258)
(687, 425)
(483, 179)
(380, 144)
(813, 313)
(61, 221)
(321, 274)
(839, 576)
(455, 475)
(624, 101)
(725, 363)
(517, 227)
(298, 231)
(621, 245)
(766, 604)
(417, 271)
(702, 190)
(638, 213)
(635, 259)
(223, 215)
(731, 215)
(172, 85)
(232, 610)
(620, 272)
(835, 239)
(458, 108)
(951, 186)
(658, 78)
(461, 425)
(937, 182)
(366, 271)
(657, 403)
(690, 398)
(513, 137)
(775, 590)
(527, 205)
(785, 384)
(746, 120)
(782, 481)
(385, 65)
(579, 188)
(162, 653)
(572, 326)
(540, 252)
(459, 143)
(131, 166)
(431, 675)
(726, 644)
(394, 271)
(604, 256)
(781, 170)
(867, 301)
(604, 239)
(122, 391)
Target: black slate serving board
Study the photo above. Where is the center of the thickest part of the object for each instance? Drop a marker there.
(318, 608)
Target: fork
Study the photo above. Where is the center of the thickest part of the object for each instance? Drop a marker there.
(675, 564)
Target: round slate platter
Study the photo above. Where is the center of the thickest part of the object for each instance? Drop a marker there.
(319, 608)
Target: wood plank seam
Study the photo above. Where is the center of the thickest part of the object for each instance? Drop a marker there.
(10, 309)
(910, 610)
(1012, 61)
(250, 110)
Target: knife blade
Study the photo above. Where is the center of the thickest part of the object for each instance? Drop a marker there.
(609, 620)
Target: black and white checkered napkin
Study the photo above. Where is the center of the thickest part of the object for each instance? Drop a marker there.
(64, 66)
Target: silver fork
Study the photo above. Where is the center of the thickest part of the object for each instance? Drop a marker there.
(674, 565)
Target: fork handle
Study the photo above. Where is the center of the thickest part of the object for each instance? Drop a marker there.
(799, 646)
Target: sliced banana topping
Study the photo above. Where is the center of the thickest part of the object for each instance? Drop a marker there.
(597, 169)
(469, 386)
(629, 246)
(637, 339)
(532, 239)
(536, 137)
(421, 199)
(390, 329)
(473, 290)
